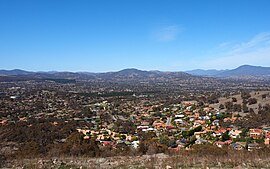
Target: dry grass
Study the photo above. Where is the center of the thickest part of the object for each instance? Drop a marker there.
(254, 94)
(256, 159)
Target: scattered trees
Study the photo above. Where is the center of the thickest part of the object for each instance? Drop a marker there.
(229, 106)
(245, 95)
(221, 106)
(234, 99)
(76, 145)
(237, 107)
(245, 108)
(252, 101)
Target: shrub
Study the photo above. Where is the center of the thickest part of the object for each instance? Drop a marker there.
(209, 149)
(252, 101)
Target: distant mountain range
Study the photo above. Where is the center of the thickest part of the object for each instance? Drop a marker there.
(135, 74)
(141, 74)
(14, 72)
(244, 70)
(123, 75)
(202, 72)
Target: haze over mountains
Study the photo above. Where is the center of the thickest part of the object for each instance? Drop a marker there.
(202, 72)
(119, 76)
(244, 70)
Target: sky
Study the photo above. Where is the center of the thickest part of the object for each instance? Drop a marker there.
(110, 35)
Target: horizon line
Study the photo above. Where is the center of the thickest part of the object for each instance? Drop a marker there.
(82, 71)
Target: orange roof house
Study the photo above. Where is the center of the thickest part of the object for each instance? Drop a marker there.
(255, 133)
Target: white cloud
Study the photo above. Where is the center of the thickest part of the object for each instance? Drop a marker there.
(167, 33)
(258, 41)
(255, 51)
(224, 44)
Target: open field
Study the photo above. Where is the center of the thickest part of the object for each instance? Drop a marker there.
(258, 95)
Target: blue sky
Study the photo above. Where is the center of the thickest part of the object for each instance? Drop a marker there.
(109, 35)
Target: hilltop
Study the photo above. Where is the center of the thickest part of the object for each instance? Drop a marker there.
(244, 70)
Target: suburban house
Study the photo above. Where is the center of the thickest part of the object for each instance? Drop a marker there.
(235, 133)
(222, 143)
(255, 133)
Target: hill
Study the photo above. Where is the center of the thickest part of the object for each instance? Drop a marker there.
(14, 72)
(246, 70)
(136, 74)
(122, 75)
